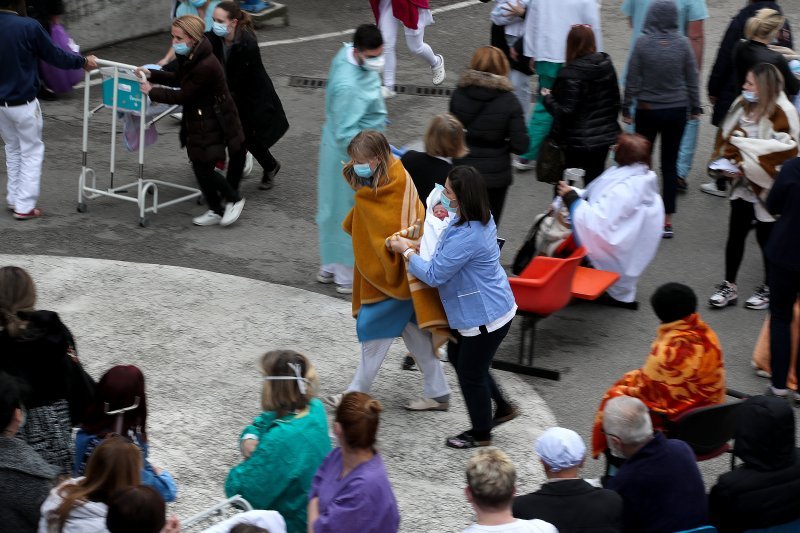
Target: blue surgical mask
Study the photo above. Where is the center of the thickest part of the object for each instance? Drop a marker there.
(182, 49)
(363, 170)
(220, 29)
(750, 96)
(445, 201)
(197, 3)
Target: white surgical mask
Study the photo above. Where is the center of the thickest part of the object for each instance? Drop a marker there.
(375, 64)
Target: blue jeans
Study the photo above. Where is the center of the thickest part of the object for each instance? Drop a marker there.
(688, 146)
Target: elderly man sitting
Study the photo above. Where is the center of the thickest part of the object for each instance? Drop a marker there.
(565, 500)
(659, 481)
(684, 369)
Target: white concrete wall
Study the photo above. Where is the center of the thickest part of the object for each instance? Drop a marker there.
(94, 23)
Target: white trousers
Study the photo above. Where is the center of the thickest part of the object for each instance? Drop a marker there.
(420, 345)
(414, 40)
(21, 131)
(342, 274)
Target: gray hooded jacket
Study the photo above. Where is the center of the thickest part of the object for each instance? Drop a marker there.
(662, 72)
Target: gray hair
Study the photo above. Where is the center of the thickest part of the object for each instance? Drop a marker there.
(628, 419)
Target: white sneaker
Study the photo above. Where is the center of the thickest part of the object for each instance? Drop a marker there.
(333, 400)
(248, 164)
(209, 218)
(232, 212)
(344, 289)
(725, 295)
(711, 188)
(759, 300)
(438, 72)
(325, 277)
(427, 404)
(387, 92)
(523, 165)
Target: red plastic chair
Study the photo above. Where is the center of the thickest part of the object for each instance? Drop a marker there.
(544, 287)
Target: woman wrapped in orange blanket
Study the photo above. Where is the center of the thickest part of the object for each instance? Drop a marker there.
(387, 301)
(684, 369)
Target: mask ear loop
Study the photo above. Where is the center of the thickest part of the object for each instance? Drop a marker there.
(301, 381)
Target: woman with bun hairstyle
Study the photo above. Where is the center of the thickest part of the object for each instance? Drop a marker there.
(286, 443)
(210, 122)
(260, 110)
(351, 490)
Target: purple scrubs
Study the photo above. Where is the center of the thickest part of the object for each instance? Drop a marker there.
(362, 501)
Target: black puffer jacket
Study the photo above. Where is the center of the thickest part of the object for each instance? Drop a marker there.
(210, 119)
(585, 103)
(765, 490)
(486, 106)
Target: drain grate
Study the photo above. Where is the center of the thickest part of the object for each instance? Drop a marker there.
(411, 90)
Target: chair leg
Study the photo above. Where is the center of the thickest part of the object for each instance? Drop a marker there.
(528, 336)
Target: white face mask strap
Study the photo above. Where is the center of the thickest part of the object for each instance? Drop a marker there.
(301, 381)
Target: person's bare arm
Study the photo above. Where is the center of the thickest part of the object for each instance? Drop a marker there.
(696, 35)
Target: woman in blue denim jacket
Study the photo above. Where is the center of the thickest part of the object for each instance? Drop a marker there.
(476, 297)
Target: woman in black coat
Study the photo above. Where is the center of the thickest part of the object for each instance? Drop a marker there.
(485, 104)
(260, 108)
(210, 122)
(39, 351)
(585, 104)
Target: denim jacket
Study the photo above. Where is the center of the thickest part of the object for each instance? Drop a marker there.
(466, 268)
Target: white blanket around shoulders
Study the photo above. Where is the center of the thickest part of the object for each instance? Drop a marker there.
(620, 220)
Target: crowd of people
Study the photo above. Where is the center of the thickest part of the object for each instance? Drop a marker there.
(413, 238)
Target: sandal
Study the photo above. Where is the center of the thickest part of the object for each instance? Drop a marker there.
(465, 441)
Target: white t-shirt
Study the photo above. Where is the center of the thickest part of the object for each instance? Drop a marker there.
(518, 526)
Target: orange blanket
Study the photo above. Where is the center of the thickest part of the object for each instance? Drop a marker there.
(684, 370)
(380, 273)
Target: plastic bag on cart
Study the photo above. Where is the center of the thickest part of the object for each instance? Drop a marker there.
(131, 121)
(130, 126)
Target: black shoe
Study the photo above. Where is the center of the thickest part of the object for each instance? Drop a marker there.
(268, 181)
(682, 186)
(409, 363)
(606, 299)
(502, 416)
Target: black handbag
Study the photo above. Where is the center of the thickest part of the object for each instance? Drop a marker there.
(550, 163)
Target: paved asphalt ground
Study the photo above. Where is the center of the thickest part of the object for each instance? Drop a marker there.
(275, 240)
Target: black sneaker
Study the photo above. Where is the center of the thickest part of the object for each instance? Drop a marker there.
(268, 181)
(409, 363)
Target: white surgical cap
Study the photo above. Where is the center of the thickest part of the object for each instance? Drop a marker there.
(560, 448)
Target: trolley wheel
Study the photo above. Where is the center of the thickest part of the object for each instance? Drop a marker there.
(82, 207)
(143, 222)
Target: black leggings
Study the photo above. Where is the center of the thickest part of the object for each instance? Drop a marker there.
(497, 197)
(214, 186)
(669, 123)
(472, 358)
(593, 161)
(261, 154)
(742, 220)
